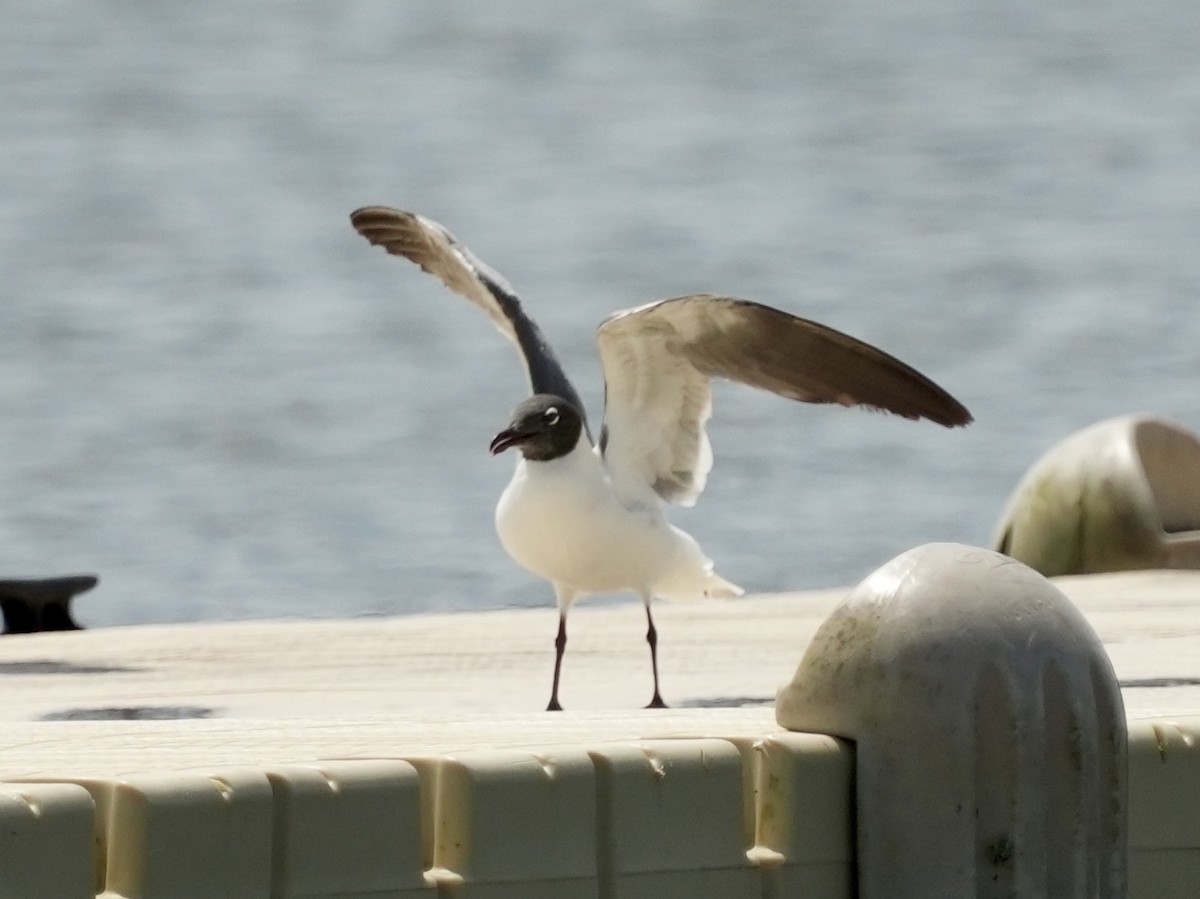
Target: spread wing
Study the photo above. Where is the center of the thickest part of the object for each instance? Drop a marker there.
(438, 252)
(658, 360)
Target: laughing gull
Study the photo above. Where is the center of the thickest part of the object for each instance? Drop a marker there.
(588, 515)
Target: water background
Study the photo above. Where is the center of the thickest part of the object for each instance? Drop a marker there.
(218, 397)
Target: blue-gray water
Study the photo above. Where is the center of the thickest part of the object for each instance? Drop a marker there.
(218, 397)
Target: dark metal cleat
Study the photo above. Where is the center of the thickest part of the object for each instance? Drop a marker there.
(31, 605)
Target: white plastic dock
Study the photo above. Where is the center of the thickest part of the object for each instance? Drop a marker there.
(409, 756)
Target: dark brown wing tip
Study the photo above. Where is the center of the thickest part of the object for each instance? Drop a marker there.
(948, 412)
(949, 416)
(370, 214)
(932, 402)
(378, 224)
(954, 415)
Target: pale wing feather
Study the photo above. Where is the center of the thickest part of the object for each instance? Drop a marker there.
(655, 409)
(658, 359)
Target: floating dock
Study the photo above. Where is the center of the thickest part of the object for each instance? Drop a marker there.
(397, 757)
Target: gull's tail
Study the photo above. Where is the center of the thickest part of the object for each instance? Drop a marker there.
(719, 588)
(703, 584)
(690, 574)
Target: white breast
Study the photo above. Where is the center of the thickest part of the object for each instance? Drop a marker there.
(562, 520)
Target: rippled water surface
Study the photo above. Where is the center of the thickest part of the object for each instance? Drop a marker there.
(218, 397)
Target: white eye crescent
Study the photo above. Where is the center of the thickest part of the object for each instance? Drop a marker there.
(551, 416)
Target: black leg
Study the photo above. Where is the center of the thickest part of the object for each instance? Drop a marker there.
(560, 645)
(652, 638)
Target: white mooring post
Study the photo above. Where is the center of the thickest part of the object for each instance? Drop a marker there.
(989, 730)
(1121, 494)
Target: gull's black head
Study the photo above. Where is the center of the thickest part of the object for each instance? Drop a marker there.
(544, 427)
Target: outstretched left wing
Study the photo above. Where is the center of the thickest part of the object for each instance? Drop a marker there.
(437, 251)
(658, 360)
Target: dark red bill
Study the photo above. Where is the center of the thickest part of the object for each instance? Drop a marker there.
(506, 438)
